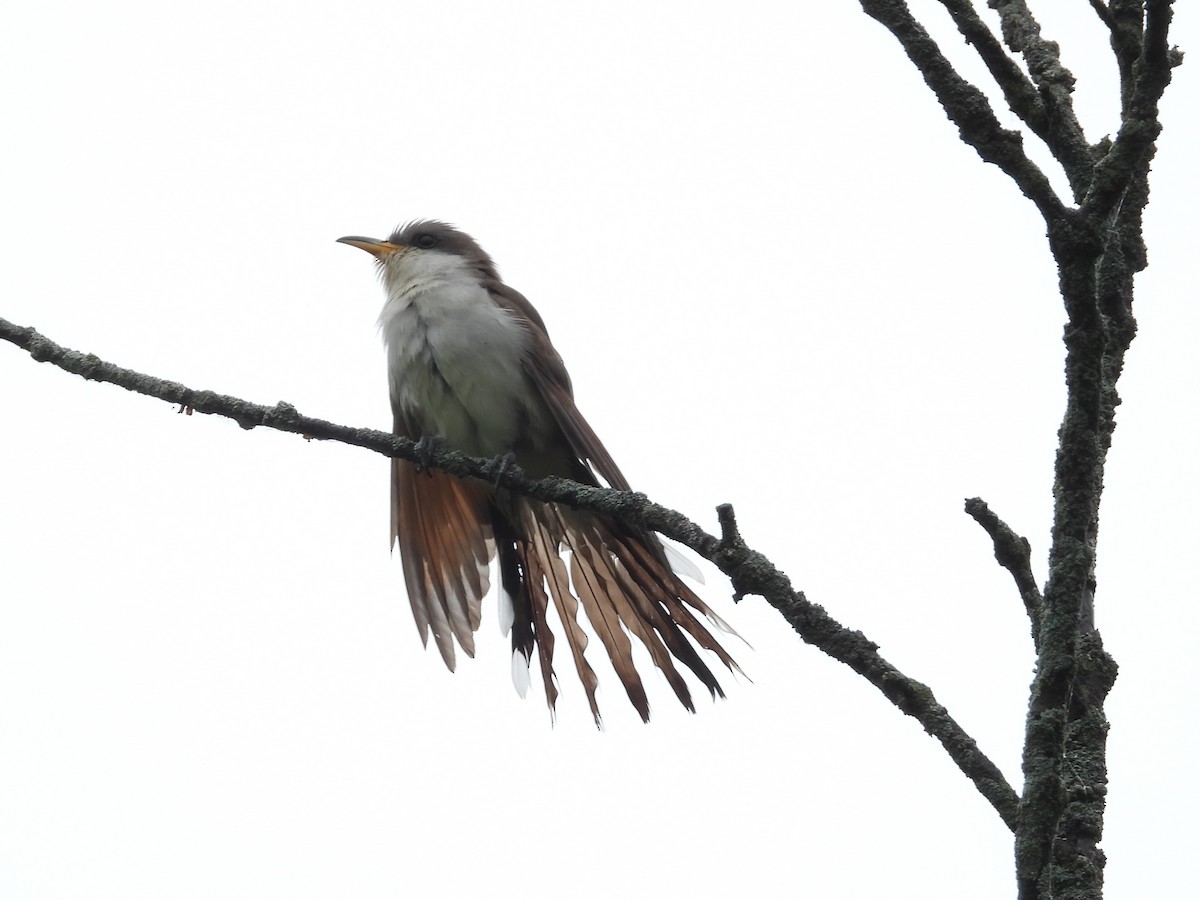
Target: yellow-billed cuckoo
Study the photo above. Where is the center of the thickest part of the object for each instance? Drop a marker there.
(470, 364)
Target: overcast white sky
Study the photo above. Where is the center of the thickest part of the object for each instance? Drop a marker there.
(778, 280)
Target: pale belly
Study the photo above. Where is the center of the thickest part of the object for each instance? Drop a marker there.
(455, 372)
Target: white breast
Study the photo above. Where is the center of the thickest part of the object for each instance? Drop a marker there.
(454, 356)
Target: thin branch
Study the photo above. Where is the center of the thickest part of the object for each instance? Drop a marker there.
(1019, 91)
(1012, 552)
(755, 574)
(1050, 121)
(749, 571)
(967, 107)
(1133, 147)
(1102, 11)
(1125, 37)
(1055, 83)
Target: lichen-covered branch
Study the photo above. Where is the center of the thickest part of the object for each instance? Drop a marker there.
(1019, 92)
(1133, 148)
(966, 106)
(1055, 84)
(1102, 11)
(749, 571)
(1125, 20)
(1012, 552)
(1043, 103)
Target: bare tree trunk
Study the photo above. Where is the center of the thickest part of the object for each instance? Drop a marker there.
(1097, 243)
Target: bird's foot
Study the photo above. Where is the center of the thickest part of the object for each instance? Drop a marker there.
(499, 465)
(426, 449)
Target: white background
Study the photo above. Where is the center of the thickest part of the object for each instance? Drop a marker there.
(778, 280)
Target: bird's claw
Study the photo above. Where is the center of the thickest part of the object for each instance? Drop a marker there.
(499, 465)
(426, 449)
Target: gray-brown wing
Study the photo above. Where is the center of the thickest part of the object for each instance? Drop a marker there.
(443, 527)
(547, 372)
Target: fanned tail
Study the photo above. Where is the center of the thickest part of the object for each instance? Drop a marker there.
(626, 589)
(449, 529)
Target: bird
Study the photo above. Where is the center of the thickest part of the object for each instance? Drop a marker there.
(471, 367)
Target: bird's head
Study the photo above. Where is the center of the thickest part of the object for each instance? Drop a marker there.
(424, 248)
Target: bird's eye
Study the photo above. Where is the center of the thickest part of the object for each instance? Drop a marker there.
(425, 241)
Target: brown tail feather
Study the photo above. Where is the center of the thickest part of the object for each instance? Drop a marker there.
(625, 587)
(539, 604)
(638, 615)
(606, 606)
(545, 539)
(530, 631)
(656, 602)
(649, 573)
(653, 629)
(451, 597)
(652, 561)
(444, 530)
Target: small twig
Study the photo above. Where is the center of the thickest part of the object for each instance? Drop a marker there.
(730, 536)
(731, 543)
(1012, 552)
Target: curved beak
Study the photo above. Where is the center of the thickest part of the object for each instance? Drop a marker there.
(378, 249)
